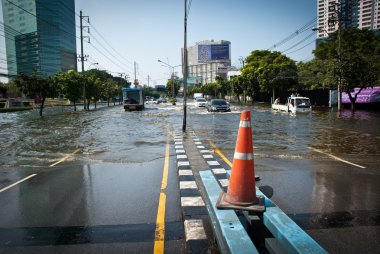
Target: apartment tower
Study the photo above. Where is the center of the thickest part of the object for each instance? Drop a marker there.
(362, 14)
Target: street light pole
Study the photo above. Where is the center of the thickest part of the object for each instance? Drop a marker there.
(185, 70)
(91, 65)
(172, 74)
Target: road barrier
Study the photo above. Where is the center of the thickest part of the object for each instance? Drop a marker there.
(250, 232)
(261, 226)
(241, 190)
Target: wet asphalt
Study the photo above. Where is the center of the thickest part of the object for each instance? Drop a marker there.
(104, 199)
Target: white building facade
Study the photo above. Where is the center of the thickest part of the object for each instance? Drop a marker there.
(208, 59)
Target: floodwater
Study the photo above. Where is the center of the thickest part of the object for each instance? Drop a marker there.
(111, 135)
(323, 166)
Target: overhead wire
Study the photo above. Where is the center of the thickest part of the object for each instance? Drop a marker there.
(302, 29)
(298, 43)
(101, 36)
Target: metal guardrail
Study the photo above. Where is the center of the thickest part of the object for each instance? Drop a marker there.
(285, 236)
(230, 234)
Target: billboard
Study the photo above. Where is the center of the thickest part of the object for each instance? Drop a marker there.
(367, 95)
(193, 81)
(213, 52)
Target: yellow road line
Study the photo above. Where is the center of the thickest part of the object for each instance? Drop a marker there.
(14, 184)
(336, 158)
(220, 154)
(164, 183)
(65, 158)
(159, 235)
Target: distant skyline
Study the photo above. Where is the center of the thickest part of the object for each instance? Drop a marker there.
(145, 31)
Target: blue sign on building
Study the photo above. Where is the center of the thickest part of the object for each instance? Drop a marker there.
(213, 52)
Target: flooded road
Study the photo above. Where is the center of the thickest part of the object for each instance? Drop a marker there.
(324, 169)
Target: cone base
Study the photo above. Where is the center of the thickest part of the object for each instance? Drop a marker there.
(222, 203)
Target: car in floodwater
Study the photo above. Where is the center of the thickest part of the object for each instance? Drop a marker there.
(200, 102)
(218, 105)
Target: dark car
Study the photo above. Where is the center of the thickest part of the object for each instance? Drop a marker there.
(162, 100)
(218, 105)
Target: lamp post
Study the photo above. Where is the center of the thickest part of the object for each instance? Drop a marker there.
(91, 65)
(184, 69)
(172, 73)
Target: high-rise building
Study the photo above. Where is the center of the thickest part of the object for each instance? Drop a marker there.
(207, 60)
(362, 14)
(39, 36)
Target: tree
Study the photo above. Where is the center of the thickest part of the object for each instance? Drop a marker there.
(70, 84)
(108, 88)
(237, 86)
(272, 71)
(193, 89)
(93, 89)
(356, 63)
(211, 89)
(168, 88)
(37, 86)
(3, 89)
(316, 74)
(223, 86)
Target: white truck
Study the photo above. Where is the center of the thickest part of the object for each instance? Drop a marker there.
(197, 95)
(294, 104)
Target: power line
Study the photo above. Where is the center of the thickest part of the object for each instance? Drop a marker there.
(302, 29)
(189, 7)
(299, 42)
(101, 36)
(110, 53)
(313, 41)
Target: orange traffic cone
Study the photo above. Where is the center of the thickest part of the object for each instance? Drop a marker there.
(241, 193)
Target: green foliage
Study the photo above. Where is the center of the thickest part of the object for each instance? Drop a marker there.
(35, 85)
(169, 87)
(316, 74)
(151, 92)
(356, 63)
(210, 89)
(109, 88)
(3, 89)
(172, 101)
(223, 86)
(267, 71)
(193, 89)
(70, 84)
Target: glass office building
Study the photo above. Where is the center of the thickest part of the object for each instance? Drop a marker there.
(39, 36)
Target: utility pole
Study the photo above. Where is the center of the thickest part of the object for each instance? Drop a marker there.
(242, 61)
(336, 16)
(185, 70)
(148, 80)
(173, 82)
(82, 57)
(135, 83)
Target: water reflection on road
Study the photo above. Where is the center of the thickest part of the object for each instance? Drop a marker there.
(115, 135)
(318, 190)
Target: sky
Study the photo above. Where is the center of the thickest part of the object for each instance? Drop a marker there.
(126, 31)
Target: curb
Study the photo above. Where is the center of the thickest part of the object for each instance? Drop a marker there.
(192, 204)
